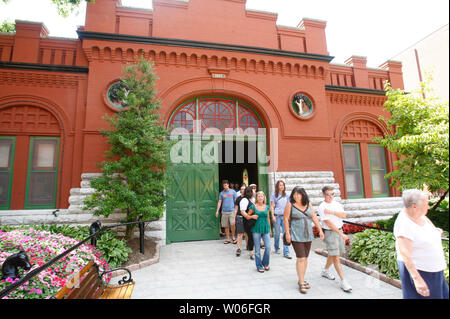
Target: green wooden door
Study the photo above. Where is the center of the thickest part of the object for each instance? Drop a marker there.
(192, 202)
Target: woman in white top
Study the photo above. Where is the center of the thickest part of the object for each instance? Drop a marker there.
(420, 256)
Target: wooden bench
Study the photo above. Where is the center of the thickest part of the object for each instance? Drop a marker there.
(88, 284)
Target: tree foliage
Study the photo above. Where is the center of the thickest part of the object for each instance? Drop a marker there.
(65, 7)
(419, 134)
(8, 26)
(133, 179)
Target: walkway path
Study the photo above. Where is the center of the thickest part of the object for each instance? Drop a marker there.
(211, 270)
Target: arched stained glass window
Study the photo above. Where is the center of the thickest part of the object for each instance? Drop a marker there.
(184, 118)
(220, 113)
(215, 113)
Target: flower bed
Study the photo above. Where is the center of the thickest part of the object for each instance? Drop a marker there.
(348, 229)
(41, 247)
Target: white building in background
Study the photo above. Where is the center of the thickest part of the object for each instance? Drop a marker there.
(430, 54)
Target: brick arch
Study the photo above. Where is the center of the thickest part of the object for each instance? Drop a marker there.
(361, 130)
(28, 119)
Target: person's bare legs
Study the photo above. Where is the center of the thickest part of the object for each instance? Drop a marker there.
(239, 241)
(337, 266)
(301, 268)
(330, 261)
(227, 233)
(233, 232)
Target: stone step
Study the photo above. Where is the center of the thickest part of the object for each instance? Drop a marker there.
(284, 175)
(371, 212)
(373, 205)
(370, 219)
(376, 199)
(313, 186)
(301, 181)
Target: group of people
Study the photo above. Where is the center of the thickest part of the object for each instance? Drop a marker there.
(248, 215)
(420, 255)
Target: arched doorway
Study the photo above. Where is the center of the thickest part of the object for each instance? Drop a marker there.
(29, 157)
(214, 138)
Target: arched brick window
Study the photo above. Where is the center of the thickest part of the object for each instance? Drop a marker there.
(364, 161)
(29, 142)
(220, 113)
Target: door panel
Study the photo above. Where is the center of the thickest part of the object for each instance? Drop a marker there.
(192, 202)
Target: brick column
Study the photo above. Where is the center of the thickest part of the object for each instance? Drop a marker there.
(395, 72)
(360, 72)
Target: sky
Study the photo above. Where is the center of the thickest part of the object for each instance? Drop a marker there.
(378, 30)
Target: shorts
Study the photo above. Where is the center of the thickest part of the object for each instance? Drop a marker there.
(335, 244)
(240, 224)
(301, 248)
(227, 219)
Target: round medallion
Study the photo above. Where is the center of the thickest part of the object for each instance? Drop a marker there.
(113, 95)
(302, 106)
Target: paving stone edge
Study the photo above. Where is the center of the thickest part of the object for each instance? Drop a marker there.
(371, 272)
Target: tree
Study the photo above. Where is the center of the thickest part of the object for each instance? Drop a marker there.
(419, 133)
(133, 179)
(64, 7)
(8, 26)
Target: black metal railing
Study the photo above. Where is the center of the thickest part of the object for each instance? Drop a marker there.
(95, 230)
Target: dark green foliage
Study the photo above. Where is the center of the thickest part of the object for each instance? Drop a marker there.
(133, 179)
(374, 247)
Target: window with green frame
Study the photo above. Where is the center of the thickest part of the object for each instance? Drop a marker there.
(353, 174)
(377, 164)
(42, 173)
(7, 152)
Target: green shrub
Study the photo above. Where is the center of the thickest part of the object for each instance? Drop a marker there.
(374, 247)
(114, 250)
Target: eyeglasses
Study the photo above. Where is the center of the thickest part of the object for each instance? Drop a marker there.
(329, 194)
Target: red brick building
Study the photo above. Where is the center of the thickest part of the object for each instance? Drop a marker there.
(217, 62)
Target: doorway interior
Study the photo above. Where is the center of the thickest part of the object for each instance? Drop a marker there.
(234, 158)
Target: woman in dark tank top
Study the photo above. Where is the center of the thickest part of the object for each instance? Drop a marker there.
(299, 216)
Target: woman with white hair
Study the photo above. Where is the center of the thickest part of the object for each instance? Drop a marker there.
(420, 256)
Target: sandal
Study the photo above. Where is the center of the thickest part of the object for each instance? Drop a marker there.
(303, 288)
(261, 270)
(266, 268)
(226, 242)
(234, 241)
(305, 284)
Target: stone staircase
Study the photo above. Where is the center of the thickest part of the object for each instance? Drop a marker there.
(155, 230)
(365, 210)
(358, 210)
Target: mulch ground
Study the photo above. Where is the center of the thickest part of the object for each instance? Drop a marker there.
(135, 257)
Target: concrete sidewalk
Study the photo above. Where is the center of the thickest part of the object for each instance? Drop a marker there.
(211, 270)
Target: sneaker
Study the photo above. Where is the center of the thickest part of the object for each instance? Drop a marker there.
(327, 274)
(345, 286)
(277, 252)
(288, 256)
(238, 252)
